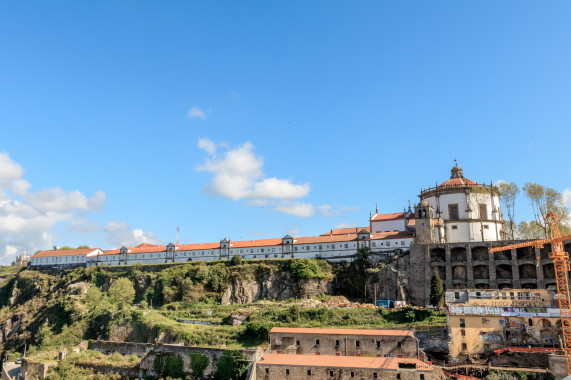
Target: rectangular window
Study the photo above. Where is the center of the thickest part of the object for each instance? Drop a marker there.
(262, 250)
(287, 371)
(374, 244)
(330, 373)
(463, 332)
(399, 344)
(336, 343)
(317, 342)
(486, 227)
(320, 247)
(462, 322)
(402, 243)
(378, 344)
(357, 344)
(453, 211)
(374, 375)
(483, 211)
(421, 376)
(308, 372)
(297, 342)
(464, 347)
(267, 370)
(388, 243)
(398, 375)
(346, 245)
(352, 374)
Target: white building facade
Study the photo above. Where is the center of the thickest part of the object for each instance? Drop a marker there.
(468, 211)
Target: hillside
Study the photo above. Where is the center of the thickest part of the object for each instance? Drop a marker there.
(229, 304)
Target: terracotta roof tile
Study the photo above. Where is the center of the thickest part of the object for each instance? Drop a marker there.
(380, 332)
(65, 252)
(341, 361)
(459, 182)
(392, 216)
(344, 231)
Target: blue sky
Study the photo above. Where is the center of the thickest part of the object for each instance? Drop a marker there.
(121, 120)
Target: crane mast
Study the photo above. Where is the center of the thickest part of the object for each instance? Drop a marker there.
(561, 263)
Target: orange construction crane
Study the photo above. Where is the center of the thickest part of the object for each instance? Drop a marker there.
(561, 263)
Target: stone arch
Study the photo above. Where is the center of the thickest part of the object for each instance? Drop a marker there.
(481, 272)
(504, 271)
(525, 253)
(527, 271)
(438, 255)
(459, 272)
(503, 255)
(529, 286)
(482, 286)
(544, 323)
(458, 254)
(460, 285)
(548, 270)
(544, 252)
(505, 285)
(480, 254)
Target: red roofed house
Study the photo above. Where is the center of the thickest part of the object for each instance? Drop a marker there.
(63, 258)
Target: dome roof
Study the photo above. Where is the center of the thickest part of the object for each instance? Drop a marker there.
(457, 179)
(423, 203)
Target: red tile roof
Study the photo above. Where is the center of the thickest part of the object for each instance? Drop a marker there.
(341, 361)
(380, 332)
(344, 231)
(255, 243)
(459, 182)
(393, 216)
(65, 252)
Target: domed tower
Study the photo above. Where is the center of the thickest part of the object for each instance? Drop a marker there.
(466, 210)
(424, 222)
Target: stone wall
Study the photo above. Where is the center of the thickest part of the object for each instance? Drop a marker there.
(291, 372)
(124, 348)
(147, 364)
(558, 366)
(344, 345)
(34, 371)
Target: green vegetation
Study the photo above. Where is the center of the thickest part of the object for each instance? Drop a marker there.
(198, 364)
(231, 365)
(148, 302)
(436, 290)
(354, 276)
(122, 292)
(513, 375)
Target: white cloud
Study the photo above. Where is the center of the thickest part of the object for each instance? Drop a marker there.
(196, 112)
(238, 175)
(304, 210)
(293, 232)
(329, 211)
(120, 234)
(499, 182)
(345, 225)
(27, 219)
(567, 197)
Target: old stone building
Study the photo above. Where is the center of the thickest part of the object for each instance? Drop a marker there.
(345, 342)
(480, 321)
(298, 367)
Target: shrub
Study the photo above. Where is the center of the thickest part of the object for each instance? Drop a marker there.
(122, 292)
(231, 365)
(198, 364)
(236, 260)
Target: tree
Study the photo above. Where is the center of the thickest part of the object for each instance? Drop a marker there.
(236, 260)
(508, 194)
(436, 290)
(231, 365)
(122, 292)
(198, 364)
(544, 199)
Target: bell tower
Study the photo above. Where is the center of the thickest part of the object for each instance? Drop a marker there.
(424, 215)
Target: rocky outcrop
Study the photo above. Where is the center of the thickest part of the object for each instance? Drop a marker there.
(273, 286)
(391, 282)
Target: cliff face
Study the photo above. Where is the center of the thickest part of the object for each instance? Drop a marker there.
(273, 286)
(392, 281)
